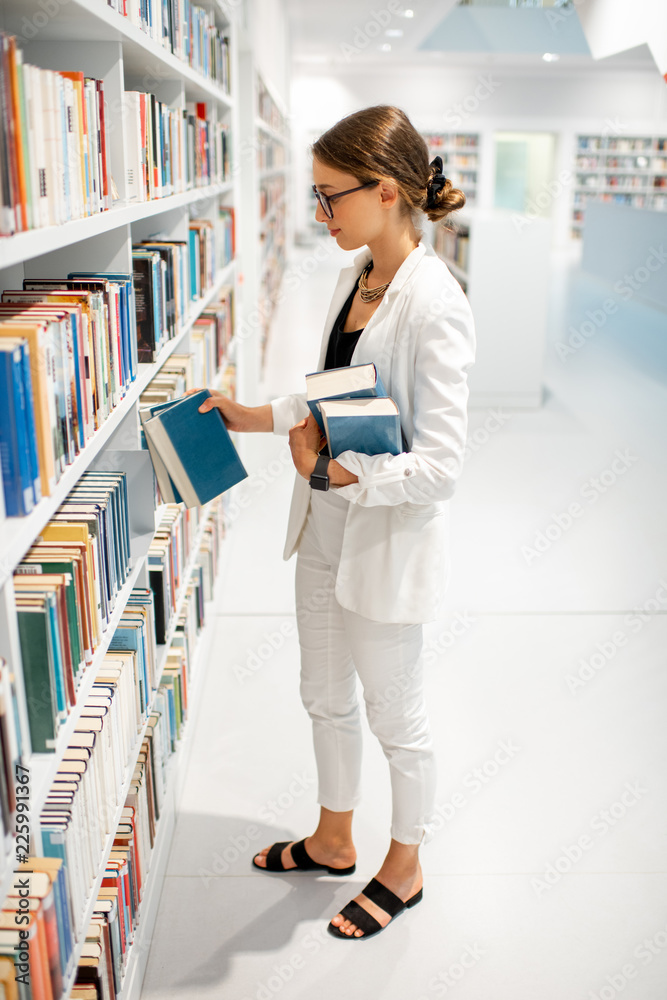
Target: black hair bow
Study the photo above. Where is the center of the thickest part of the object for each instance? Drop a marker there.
(436, 182)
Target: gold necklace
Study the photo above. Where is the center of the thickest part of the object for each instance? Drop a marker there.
(370, 294)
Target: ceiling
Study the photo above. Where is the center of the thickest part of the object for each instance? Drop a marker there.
(358, 35)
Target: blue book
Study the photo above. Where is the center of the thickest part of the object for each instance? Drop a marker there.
(196, 449)
(30, 423)
(21, 416)
(354, 381)
(370, 426)
(18, 486)
(193, 241)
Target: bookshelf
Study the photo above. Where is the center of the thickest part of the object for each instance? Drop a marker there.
(263, 165)
(93, 37)
(505, 275)
(460, 152)
(623, 170)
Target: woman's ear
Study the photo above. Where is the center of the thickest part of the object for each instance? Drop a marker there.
(388, 193)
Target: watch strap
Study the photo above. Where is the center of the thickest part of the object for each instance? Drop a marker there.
(319, 479)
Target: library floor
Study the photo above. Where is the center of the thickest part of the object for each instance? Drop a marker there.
(547, 686)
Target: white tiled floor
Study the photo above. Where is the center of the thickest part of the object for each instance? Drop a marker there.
(547, 879)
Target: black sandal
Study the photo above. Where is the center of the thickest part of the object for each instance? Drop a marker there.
(300, 857)
(382, 897)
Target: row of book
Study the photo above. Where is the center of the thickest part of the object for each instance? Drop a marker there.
(459, 140)
(168, 276)
(184, 28)
(226, 235)
(602, 180)
(78, 356)
(625, 144)
(69, 350)
(66, 588)
(169, 150)
(168, 558)
(268, 110)
(271, 194)
(453, 245)
(270, 154)
(53, 145)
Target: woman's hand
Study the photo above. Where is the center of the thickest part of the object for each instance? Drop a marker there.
(305, 441)
(236, 416)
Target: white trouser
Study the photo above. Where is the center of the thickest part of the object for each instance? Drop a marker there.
(336, 645)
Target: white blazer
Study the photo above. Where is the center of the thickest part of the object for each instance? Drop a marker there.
(394, 564)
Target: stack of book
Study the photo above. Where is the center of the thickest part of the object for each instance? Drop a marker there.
(353, 411)
(169, 150)
(66, 588)
(69, 354)
(186, 29)
(53, 145)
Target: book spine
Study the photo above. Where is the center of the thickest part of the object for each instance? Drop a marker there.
(9, 458)
(20, 418)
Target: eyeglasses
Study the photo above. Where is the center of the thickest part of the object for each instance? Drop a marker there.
(325, 200)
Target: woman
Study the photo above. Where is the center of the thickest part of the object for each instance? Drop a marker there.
(371, 531)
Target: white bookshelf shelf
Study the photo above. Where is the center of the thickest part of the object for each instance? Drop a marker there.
(267, 129)
(272, 172)
(36, 242)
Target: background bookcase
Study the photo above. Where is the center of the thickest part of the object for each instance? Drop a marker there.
(262, 163)
(625, 170)
(90, 36)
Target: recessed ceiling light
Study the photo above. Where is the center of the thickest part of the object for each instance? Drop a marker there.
(551, 57)
(394, 32)
(386, 47)
(408, 13)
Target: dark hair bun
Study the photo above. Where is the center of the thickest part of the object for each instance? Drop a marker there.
(443, 202)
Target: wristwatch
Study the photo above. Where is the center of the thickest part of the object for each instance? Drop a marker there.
(320, 479)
